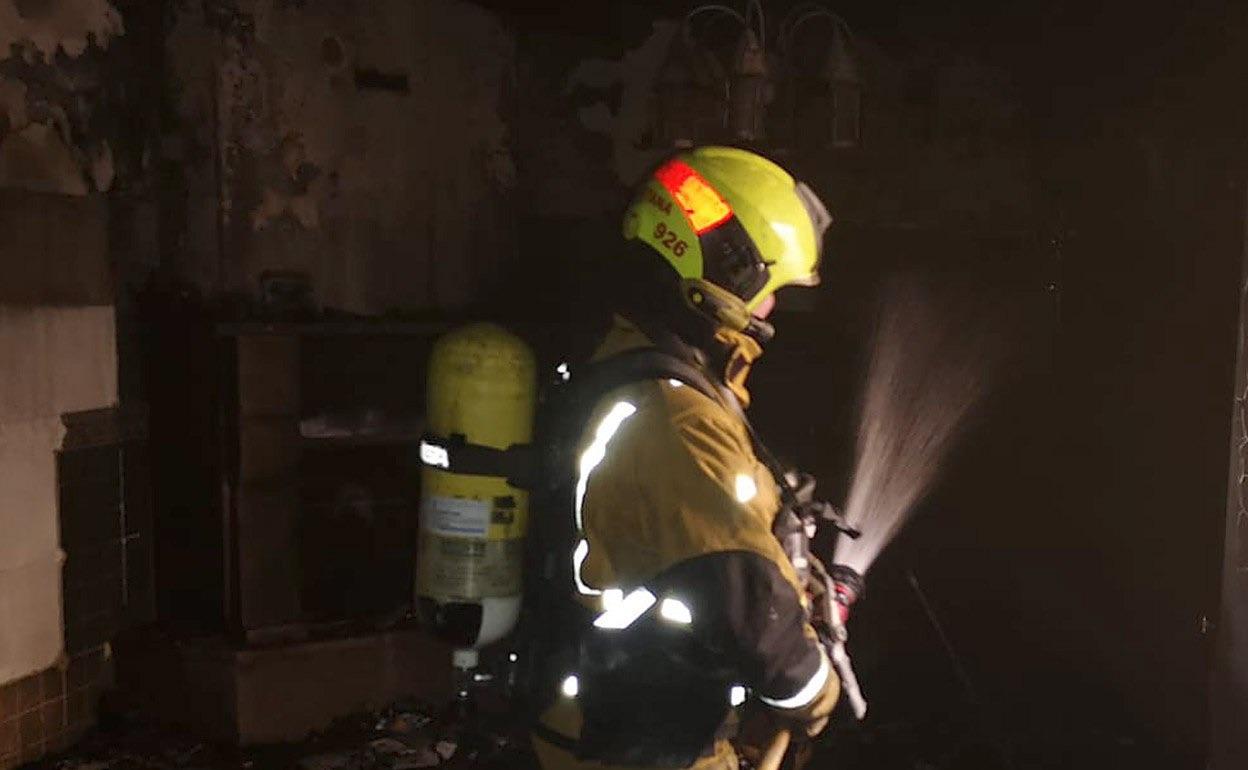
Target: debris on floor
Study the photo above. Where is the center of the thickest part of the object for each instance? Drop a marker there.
(404, 736)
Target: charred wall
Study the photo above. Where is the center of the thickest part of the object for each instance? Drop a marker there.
(365, 145)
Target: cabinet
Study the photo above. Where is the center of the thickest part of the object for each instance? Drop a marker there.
(289, 478)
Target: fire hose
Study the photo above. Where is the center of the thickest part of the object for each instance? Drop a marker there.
(836, 589)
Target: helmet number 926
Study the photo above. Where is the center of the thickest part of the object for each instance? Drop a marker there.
(670, 239)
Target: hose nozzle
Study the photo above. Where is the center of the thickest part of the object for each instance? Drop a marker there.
(847, 588)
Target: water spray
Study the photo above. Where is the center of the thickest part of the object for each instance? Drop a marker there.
(929, 369)
(926, 375)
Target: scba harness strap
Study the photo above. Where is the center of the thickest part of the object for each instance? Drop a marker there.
(656, 363)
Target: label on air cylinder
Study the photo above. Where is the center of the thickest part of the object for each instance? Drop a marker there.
(465, 551)
(458, 569)
(455, 516)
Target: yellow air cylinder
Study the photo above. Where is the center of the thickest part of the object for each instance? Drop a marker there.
(481, 391)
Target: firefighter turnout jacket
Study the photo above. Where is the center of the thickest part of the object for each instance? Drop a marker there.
(692, 600)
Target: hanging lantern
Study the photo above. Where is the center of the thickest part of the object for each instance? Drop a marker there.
(824, 87)
(691, 96)
(719, 85)
(750, 90)
(844, 86)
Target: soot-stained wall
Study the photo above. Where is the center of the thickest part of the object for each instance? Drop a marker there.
(365, 144)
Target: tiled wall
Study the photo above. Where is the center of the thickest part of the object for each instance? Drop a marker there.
(105, 512)
(47, 712)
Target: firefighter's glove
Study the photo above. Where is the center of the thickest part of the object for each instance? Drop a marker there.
(803, 485)
(813, 717)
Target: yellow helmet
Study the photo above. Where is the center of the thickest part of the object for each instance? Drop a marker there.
(733, 225)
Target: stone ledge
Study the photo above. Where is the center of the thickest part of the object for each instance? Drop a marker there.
(282, 693)
(104, 427)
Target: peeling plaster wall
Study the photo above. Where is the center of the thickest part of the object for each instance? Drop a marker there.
(52, 26)
(635, 74)
(52, 360)
(56, 140)
(51, 86)
(364, 144)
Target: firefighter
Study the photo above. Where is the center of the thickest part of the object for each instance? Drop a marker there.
(689, 602)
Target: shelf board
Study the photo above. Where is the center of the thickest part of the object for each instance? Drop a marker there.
(361, 439)
(332, 328)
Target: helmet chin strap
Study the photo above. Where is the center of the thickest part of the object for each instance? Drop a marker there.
(760, 330)
(727, 309)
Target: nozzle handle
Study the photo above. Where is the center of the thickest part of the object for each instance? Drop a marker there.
(849, 680)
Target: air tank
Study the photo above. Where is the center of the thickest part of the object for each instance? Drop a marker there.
(482, 386)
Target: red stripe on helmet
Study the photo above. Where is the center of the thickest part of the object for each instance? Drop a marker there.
(704, 207)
